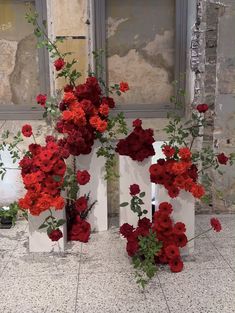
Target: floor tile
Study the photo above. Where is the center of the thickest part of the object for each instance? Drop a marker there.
(117, 292)
(205, 256)
(199, 291)
(24, 264)
(106, 252)
(47, 293)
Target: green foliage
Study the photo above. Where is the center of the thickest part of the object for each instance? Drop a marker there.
(116, 127)
(70, 184)
(11, 213)
(144, 260)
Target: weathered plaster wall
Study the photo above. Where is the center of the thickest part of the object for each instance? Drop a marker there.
(19, 73)
(224, 124)
(141, 52)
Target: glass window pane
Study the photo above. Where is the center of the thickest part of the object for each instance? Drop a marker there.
(140, 48)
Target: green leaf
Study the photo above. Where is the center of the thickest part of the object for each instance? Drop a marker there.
(60, 222)
(124, 204)
(42, 226)
(142, 194)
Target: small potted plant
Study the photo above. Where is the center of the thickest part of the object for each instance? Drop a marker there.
(8, 215)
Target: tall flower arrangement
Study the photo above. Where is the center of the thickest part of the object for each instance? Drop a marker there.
(78, 115)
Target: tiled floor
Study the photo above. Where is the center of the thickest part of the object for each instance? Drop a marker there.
(97, 277)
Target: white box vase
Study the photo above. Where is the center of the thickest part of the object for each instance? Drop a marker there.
(38, 238)
(97, 186)
(183, 211)
(133, 172)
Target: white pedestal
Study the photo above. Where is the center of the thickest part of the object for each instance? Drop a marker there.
(38, 239)
(183, 211)
(133, 172)
(97, 186)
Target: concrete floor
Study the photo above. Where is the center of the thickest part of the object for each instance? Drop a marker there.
(97, 277)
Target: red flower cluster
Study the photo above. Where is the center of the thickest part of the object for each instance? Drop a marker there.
(84, 113)
(171, 235)
(176, 172)
(80, 230)
(132, 234)
(42, 172)
(139, 144)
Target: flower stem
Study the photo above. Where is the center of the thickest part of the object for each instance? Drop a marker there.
(206, 231)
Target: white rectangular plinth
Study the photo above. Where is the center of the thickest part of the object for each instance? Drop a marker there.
(183, 211)
(38, 239)
(97, 186)
(133, 172)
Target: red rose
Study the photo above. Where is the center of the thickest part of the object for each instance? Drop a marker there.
(134, 189)
(168, 151)
(109, 101)
(202, 108)
(164, 220)
(181, 240)
(176, 265)
(55, 235)
(222, 159)
(59, 64)
(27, 130)
(81, 204)
(80, 231)
(144, 223)
(137, 123)
(83, 177)
(123, 86)
(179, 228)
(104, 109)
(172, 251)
(215, 223)
(126, 230)
(173, 192)
(132, 246)
(165, 207)
(41, 99)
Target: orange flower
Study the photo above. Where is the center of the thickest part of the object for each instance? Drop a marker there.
(69, 97)
(58, 203)
(102, 126)
(94, 121)
(197, 191)
(104, 109)
(180, 167)
(68, 115)
(123, 86)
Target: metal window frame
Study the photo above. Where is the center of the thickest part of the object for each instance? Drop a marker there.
(98, 34)
(27, 112)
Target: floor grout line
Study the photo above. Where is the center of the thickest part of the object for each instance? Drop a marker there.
(220, 254)
(78, 276)
(164, 294)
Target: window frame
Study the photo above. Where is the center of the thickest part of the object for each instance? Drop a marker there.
(29, 112)
(98, 42)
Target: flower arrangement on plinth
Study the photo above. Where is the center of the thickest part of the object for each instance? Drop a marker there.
(157, 242)
(184, 167)
(78, 115)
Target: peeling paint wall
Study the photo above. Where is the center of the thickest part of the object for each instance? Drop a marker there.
(19, 72)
